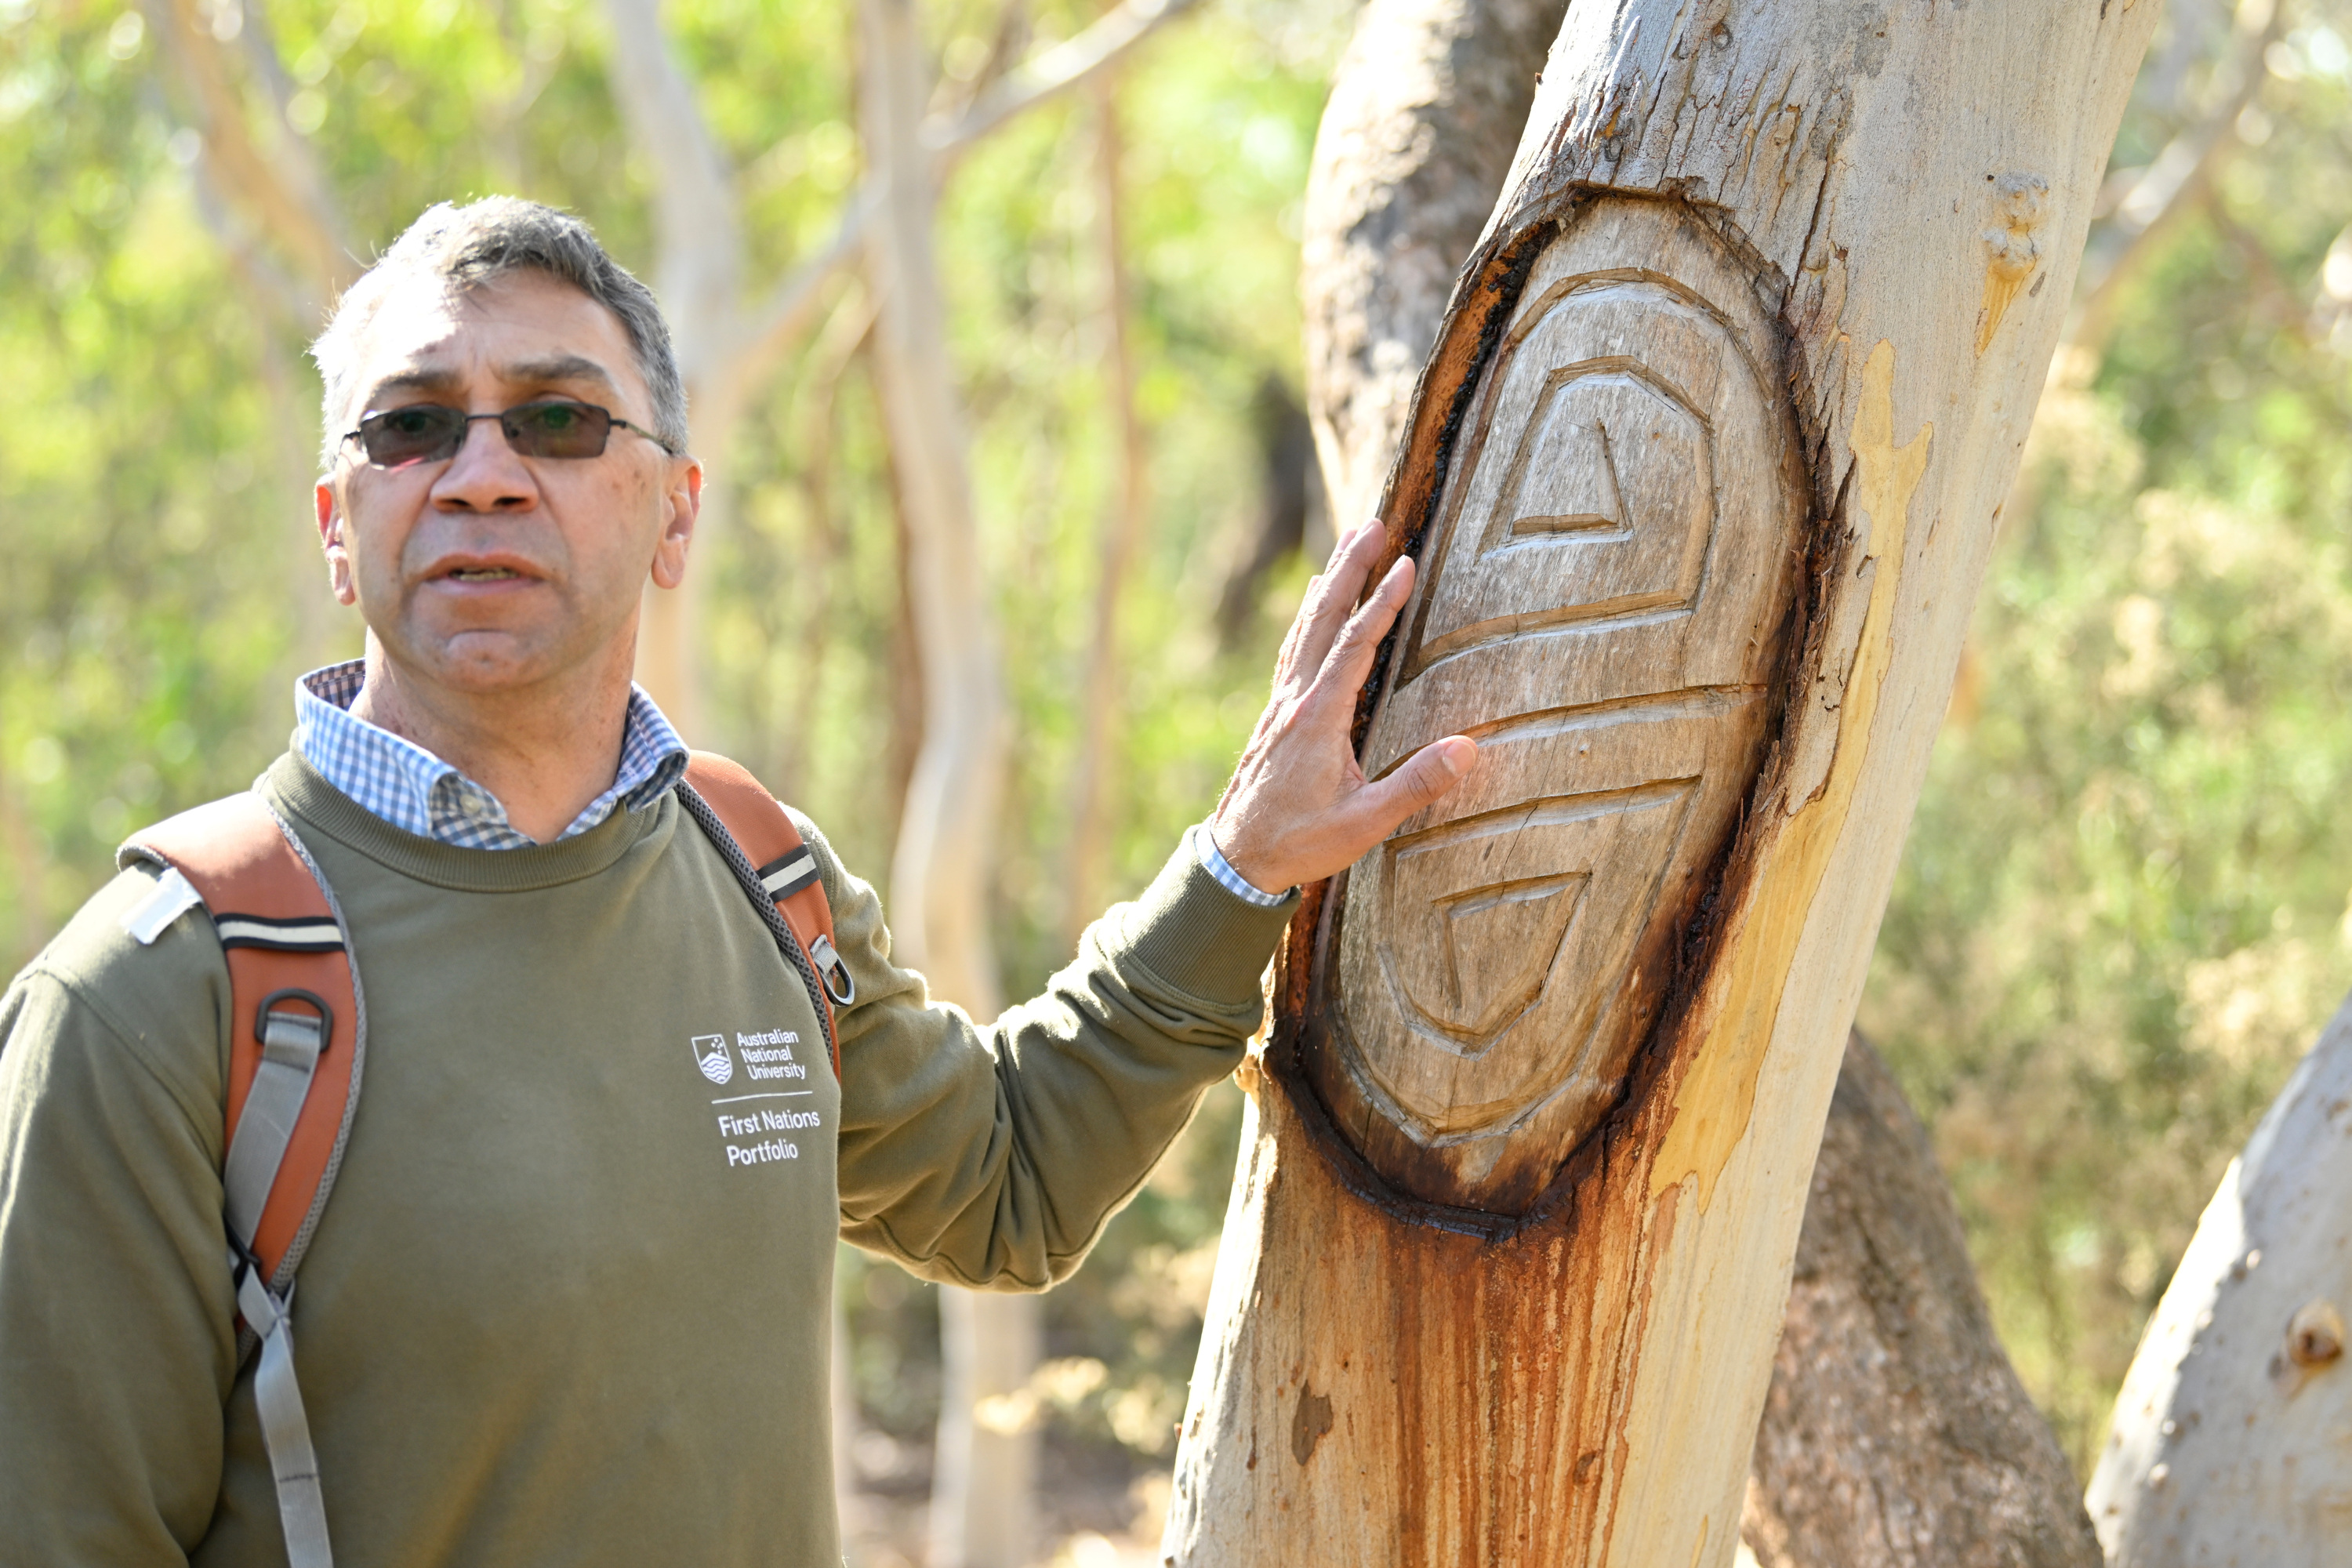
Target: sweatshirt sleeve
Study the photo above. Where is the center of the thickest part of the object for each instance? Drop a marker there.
(116, 1339)
(995, 1156)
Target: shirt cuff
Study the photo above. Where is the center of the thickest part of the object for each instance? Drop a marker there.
(1212, 861)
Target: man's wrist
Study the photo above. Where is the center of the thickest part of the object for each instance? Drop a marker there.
(1212, 860)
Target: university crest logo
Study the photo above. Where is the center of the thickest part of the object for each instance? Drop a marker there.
(710, 1054)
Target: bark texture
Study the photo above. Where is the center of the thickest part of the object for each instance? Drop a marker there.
(2231, 1445)
(1425, 110)
(1896, 1434)
(1725, 224)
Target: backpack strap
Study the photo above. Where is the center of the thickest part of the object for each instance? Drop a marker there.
(297, 1034)
(780, 874)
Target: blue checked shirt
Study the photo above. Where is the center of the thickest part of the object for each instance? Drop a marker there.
(416, 792)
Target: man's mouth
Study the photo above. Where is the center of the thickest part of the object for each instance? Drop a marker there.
(482, 574)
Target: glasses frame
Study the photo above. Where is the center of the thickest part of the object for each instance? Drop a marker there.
(467, 421)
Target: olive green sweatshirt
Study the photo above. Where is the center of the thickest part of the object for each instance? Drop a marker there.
(569, 1302)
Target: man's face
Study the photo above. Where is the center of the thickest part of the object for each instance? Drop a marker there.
(490, 572)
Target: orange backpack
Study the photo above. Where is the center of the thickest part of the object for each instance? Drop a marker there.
(294, 1076)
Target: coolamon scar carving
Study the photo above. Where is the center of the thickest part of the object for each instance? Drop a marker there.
(1604, 597)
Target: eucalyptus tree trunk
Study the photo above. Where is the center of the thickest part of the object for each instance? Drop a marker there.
(2230, 1442)
(1425, 109)
(1896, 1434)
(1701, 475)
(1124, 522)
(984, 1474)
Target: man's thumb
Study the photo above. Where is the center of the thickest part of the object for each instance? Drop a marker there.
(1433, 769)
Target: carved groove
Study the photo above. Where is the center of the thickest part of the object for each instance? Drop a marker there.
(1606, 580)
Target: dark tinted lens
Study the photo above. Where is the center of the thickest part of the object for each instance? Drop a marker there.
(557, 429)
(420, 432)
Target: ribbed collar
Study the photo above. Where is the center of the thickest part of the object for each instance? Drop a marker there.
(298, 789)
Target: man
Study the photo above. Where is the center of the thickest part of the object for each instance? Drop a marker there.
(544, 1317)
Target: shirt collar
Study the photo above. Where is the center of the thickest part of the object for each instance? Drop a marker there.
(417, 792)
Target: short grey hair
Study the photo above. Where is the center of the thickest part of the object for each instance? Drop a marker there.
(468, 247)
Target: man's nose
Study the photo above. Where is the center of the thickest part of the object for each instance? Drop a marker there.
(485, 475)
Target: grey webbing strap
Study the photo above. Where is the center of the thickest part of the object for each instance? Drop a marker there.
(291, 1045)
(285, 1427)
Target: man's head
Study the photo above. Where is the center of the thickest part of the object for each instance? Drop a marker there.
(460, 248)
(514, 562)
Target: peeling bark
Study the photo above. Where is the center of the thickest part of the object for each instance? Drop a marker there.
(1896, 1434)
(1464, 1314)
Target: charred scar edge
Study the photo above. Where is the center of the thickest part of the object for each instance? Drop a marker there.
(1664, 1056)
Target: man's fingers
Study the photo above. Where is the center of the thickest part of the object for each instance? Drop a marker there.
(1324, 614)
(1426, 776)
(1349, 660)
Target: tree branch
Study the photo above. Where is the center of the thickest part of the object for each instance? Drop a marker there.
(276, 188)
(1052, 72)
(793, 302)
(2174, 183)
(696, 222)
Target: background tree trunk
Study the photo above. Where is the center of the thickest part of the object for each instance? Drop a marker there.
(1425, 108)
(1477, 1307)
(983, 1478)
(1091, 827)
(1896, 1434)
(2229, 1442)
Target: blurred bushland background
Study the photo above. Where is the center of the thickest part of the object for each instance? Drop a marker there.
(2123, 912)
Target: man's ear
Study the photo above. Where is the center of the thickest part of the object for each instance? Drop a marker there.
(331, 537)
(681, 504)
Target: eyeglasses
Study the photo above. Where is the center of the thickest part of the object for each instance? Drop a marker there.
(428, 432)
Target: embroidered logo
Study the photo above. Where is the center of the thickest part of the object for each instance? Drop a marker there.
(710, 1056)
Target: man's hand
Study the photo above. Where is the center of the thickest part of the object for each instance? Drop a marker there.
(1298, 808)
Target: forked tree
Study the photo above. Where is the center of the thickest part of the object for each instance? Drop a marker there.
(1701, 476)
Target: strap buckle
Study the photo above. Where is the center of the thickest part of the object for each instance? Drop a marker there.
(830, 968)
(282, 1031)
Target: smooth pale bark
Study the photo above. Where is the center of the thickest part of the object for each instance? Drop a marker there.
(1896, 1434)
(2231, 1441)
(261, 193)
(983, 1478)
(1838, 237)
(1122, 535)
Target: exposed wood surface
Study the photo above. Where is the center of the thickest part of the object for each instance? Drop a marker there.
(1896, 1434)
(2231, 1445)
(1605, 605)
(1578, 1377)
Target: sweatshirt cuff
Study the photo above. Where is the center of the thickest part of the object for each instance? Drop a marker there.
(1198, 935)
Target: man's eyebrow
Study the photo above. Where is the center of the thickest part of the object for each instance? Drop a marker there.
(559, 367)
(537, 371)
(410, 381)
